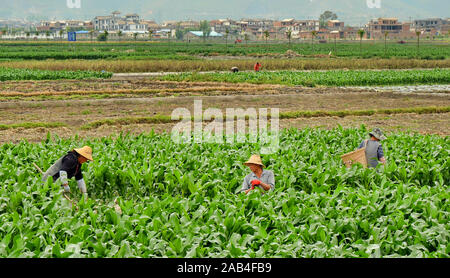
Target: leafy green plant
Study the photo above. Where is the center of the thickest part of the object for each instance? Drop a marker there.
(181, 201)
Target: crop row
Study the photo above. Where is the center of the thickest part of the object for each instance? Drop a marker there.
(328, 78)
(30, 74)
(182, 50)
(178, 200)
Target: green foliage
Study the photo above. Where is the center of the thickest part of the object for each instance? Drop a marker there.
(327, 78)
(180, 201)
(28, 74)
(179, 51)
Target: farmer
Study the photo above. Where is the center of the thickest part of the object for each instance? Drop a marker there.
(235, 69)
(259, 177)
(374, 149)
(69, 166)
(257, 67)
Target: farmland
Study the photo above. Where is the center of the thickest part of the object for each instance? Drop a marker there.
(180, 200)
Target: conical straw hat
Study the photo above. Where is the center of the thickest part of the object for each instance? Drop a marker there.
(86, 152)
(254, 159)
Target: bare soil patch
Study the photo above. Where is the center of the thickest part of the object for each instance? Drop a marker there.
(77, 112)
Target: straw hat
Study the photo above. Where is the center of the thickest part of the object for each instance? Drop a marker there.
(85, 152)
(377, 134)
(254, 159)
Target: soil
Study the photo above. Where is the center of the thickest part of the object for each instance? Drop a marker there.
(77, 112)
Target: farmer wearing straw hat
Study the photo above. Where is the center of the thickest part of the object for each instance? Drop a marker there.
(259, 177)
(374, 149)
(69, 166)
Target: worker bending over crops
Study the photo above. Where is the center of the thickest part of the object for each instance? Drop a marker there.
(374, 149)
(258, 67)
(259, 177)
(69, 166)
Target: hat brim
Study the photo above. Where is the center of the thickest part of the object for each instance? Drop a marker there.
(83, 154)
(248, 164)
(382, 137)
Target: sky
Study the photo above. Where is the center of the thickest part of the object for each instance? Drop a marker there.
(351, 11)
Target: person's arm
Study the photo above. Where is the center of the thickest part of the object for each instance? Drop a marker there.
(380, 155)
(361, 145)
(270, 182)
(245, 185)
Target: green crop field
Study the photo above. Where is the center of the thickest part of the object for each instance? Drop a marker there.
(28, 74)
(192, 51)
(325, 78)
(179, 200)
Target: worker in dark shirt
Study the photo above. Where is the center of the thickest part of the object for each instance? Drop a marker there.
(69, 166)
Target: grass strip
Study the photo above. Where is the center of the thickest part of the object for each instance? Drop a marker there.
(7, 74)
(160, 119)
(30, 125)
(322, 78)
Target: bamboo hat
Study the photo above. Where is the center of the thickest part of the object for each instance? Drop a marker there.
(86, 152)
(254, 159)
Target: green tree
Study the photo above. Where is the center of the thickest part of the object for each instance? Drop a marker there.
(120, 34)
(325, 17)
(47, 35)
(150, 34)
(91, 35)
(386, 34)
(418, 33)
(361, 33)
(205, 28)
(313, 36)
(61, 33)
(103, 37)
(179, 34)
(227, 33)
(266, 35)
(289, 36)
(246, 38)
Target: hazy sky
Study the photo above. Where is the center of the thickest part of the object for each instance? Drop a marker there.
(351, 11)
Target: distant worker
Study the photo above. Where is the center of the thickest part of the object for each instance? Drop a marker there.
(69, 166)
(234, 69)
(374, 149)
(259, 177)
(257, 67)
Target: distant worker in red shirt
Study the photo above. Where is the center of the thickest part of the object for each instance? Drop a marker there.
(258, 66)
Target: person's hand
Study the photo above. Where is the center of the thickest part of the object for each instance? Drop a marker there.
(255, 183)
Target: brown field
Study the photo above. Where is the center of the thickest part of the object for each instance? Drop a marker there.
(76, 104)
(220, 64)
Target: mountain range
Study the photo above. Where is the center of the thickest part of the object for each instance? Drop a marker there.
(354, 12)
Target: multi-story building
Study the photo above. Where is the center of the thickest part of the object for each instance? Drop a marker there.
(116, 23)
(378, 27)
(56, 26)
(429, 24)
(335, 25)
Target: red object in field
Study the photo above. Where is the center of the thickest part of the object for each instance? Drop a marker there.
(257, 67)
(255, 182)
(238, 41)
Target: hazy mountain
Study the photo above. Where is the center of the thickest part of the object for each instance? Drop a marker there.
(351, 11)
